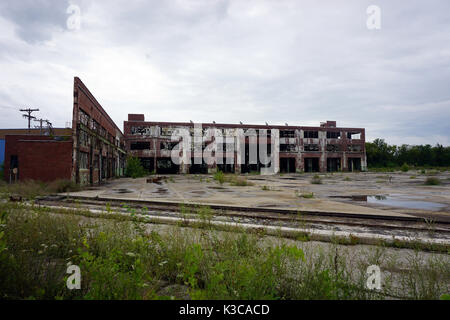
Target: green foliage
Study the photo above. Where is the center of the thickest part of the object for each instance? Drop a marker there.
(404, 167)
(432, 181)
(120, 260)
(316, 179)
(134, 168)
(219, 177)
(30, 189)
(380, 154)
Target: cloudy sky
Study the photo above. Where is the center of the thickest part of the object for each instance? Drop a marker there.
(300, 62)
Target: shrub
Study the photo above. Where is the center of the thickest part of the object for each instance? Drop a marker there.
(241, 182)
(432, 181)
(404, 167)
(134, 168)
(316, 180)
(219, 177)
(307, 195)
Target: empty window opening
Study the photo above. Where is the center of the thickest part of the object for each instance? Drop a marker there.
(311, 164)
(333, 135)
(354, 164)
(333, 148)
(311, 147)
(353, 135)
(165, 165)
(333, 164)
(287, 134)
(355, 148)
(287, 147)
(168, 145)
(196, 168)
(140, 145)
(287, 165)
(310, 134)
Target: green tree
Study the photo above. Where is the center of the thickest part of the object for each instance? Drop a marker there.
(134, 168)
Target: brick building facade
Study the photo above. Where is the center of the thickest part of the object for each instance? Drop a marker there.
(88, 153)
(98, 144)
(306, 149)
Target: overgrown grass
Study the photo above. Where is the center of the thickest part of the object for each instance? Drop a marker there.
(432, 181)
(232, 179)
(316, 179)
(308, 195)
(219, 177)
(124, 260)
(31, 189)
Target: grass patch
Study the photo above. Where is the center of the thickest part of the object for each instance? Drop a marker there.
(316, 179)
(240, 182)
(123, 260)
(432, 181)
(30, 189)
(219, 177)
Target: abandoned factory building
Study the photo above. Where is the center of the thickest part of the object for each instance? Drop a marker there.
(90, 152)
(94, 149)
(306, 149)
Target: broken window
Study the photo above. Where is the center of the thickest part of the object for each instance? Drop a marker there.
(353, 135)
(83, 160)
(168, 145)
(102, 131)
(83, 138)
(167, 131)
(84, 118)
(140, 145)
(287, 134)
(354, 148)
(311, 147)
(333, 147)
(310, 134)
(333, 135)
(96, 158)
(287, 147)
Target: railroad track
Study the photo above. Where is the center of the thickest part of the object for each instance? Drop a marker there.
(321, 227)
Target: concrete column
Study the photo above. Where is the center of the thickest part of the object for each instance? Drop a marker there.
(323, 150)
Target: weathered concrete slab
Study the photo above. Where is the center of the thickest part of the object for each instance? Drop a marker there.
(283, 193)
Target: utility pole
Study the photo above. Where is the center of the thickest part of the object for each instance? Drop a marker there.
(40, 124)
(49, 127)
(29, 116)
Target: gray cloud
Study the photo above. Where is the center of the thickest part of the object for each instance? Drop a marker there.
(35, 20)
(299, 62)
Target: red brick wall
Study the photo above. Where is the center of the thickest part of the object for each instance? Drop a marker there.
(40, 157)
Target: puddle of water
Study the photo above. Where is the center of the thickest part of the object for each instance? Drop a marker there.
(161, 191)
(396, 201)
(405, 203)
(123, 190)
